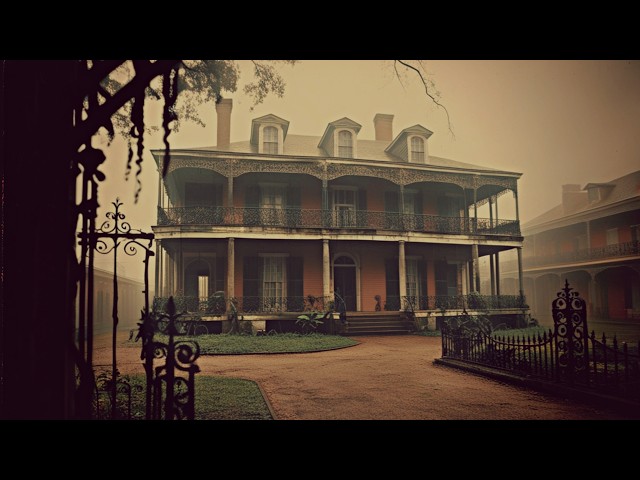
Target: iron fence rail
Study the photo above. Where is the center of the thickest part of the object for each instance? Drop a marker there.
(356, 219)
(613, 367)
(610, 251)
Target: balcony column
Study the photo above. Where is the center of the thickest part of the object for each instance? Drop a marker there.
(231, 262)
(326, 270)
(230, 191)
(492, 274)
(325, 202)
(515, 195)
(497, 255)
(476, 268)
(475, 210)
(402, 272)
(520, 280)
(157, 269)
(180, 270)
(588, 235)
(401, 206)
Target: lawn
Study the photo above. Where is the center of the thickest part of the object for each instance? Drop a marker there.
(217, 398)
(280, 343)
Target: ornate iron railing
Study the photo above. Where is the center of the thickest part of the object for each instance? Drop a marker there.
(216, 305)
(566, 354)
(472, 301)
(356, 219)
(599, 253)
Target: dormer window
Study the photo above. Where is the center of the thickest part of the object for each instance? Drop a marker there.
(270, 140)
(345, 144)
(417, 150)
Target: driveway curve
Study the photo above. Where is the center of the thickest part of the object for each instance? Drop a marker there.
(383, 378)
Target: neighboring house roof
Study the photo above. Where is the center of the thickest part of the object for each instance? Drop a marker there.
(307, 146)
(623, 188)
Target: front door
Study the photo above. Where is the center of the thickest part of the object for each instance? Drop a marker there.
(344, 283)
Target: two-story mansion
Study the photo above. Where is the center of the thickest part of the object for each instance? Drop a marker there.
(378, 225)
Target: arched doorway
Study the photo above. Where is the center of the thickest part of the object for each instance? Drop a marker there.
(196, 285)
(344, 282)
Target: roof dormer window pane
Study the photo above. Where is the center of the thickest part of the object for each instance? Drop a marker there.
(417, 150)
(345, 144)
(270, 142)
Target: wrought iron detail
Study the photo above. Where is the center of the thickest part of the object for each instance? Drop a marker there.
(570, 323)
(329, 219)
(173, 395)
(114, 232)
(609, 251)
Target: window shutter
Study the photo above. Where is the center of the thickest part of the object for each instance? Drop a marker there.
(393, 285)
(251, 283)
(422, 284)
(361, 208)
(294, 215)
(295, 287)
(441, 278)
(252, 202)
(220, 280)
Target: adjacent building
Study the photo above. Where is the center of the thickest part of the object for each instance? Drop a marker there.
(285, 223)
(590, 239)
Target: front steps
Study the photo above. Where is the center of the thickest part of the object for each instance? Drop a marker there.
(377, 323)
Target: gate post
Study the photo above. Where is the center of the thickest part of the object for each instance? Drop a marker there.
(571, 335)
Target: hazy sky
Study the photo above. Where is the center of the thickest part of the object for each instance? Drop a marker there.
(556, 122)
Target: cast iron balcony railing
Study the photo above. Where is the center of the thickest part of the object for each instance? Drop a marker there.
(330, 219)
(472, 301)
(600, 253)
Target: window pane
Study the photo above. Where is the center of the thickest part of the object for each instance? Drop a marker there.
(345, 144)
(417, 149)
(270, 140)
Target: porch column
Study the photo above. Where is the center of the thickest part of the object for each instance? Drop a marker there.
(402, 272)
(515, 194)
(492, 274)
(497, 255)
(231, 261)
(588, 234)
(156, 289)
(326, 270)
(491, 212)
(180, 270)
(465, 278)
(476, 268)
(230, 191)
(475, 211)
(520, 280)
(325, 202)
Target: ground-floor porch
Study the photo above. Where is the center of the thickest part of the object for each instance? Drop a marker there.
(266, 279)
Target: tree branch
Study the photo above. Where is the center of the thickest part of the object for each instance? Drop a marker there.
(426, 89)
(100, 116)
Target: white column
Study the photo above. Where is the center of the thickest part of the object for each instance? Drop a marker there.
(520, 280)
(231, 262)
(476, 268)
(497, 255)
(402, 272)
(326, 270)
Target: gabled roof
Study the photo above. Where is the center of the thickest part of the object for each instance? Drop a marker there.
(344, 122)
(395, 146)
(307, 146)
(622, 188)
(270, 118)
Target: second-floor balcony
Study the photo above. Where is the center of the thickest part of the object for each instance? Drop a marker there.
(584, 255)
(333, 219)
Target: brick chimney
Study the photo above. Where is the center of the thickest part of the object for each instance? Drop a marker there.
(383, 124)
(223, 109)
(573, 198)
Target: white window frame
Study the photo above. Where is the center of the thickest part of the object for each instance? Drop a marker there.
(410, 153)
(276, 303)
(344, 217)
(413, 261)
(261, 137)
(336, 142)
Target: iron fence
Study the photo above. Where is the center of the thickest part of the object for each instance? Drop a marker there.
(566, 354)
(217, 305)
(346, 219)
(472, 301)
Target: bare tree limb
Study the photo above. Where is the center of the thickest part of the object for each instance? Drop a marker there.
(433, 98)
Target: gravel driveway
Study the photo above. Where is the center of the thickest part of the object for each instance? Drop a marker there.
(385, 377)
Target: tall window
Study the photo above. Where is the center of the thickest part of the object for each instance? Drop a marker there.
(345, 144)
(413, 283)
(612, 236)
(274, 283)
(344, 207)
(203, 291)
(270, 140)
(272, 203)
(417, 149)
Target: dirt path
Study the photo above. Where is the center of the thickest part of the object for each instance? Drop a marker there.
(385, 377)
